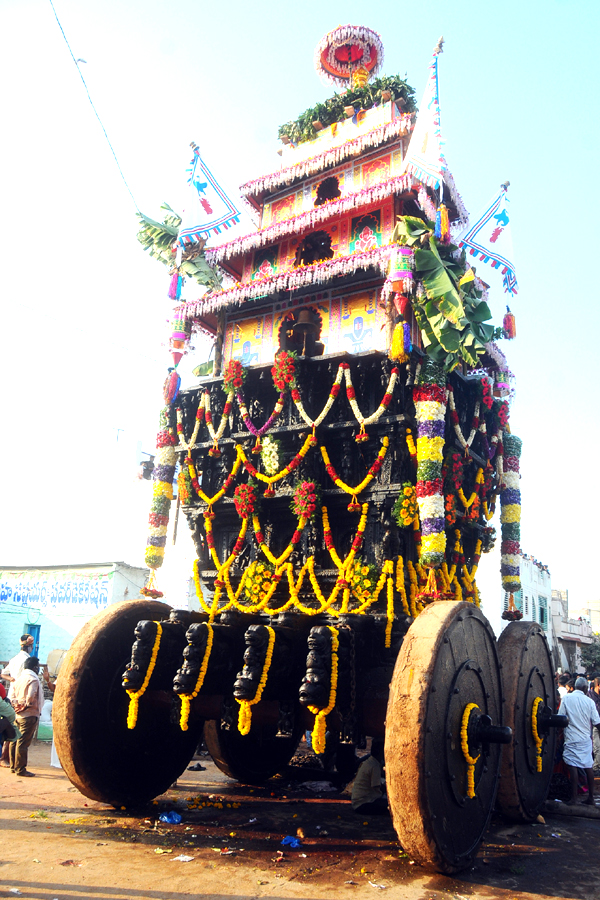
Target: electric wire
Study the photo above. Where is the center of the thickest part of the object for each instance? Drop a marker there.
(92, 105)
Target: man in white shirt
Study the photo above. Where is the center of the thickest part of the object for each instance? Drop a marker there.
(28, 700)
(577, 753)
(367, 796)
(14, 667)
(10, 673)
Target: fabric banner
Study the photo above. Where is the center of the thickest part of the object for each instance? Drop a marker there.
(489, 238)
(424, 156)
(208, 209)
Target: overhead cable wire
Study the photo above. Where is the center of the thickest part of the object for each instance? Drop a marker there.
(92, 105)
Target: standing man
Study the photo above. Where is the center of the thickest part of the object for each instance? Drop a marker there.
(10, 673)
(582, 714)
(594, 693)
(14, 667)
(28, 700)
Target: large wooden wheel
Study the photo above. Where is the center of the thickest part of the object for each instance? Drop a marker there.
(252, 758)
(103, 758)
(527, 674)
(447, 661)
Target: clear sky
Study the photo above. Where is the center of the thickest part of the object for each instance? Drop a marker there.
(84, 311)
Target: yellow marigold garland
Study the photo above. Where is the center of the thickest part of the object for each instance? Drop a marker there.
(318, 733)
(245, 714)
(468, 503)
(271, 479)
(536, 737)
(464, 746)
(373, 471)
(186, 698)
(134, 696)
(390, 605)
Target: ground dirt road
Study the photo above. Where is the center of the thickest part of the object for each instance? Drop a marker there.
(58, 844)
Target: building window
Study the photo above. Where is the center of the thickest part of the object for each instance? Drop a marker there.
(328, 189)
(543, 604)
(315, 247)
(526, 609)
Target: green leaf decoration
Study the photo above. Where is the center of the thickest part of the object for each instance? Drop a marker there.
(158, 239)
(332, 110)
(452, 320)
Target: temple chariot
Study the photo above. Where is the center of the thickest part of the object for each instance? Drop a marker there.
(339, 470)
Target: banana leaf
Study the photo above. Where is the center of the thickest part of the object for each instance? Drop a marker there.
(409, 230)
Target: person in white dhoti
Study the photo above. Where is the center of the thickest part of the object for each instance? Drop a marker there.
(582, 714)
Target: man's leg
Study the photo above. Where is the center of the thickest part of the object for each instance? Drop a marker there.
(574, 783)
(27, 726)
(590, 783)
(11, 754)
(596, 737)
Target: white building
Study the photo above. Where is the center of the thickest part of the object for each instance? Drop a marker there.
(52, 603)
(534, 599)
(571, 634)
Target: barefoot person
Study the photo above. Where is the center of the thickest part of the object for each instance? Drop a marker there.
(577, 753)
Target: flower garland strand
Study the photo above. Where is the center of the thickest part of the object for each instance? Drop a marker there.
(293, 464)
(278, 560)
(318, 733)
(134, 696)
(218, 434)
(536, 735)
(226, 484)
(464, 746)
(335, 389)
(162, 495)
(430, 405)
(245, 714)
(259, 432)
(510, 516)
(187, 698)
(373, 471)
(374, 417)
(465, 444)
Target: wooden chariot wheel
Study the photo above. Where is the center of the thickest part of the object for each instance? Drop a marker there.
(104, 759)
(447, 662)
(530, 704)
(252, 758)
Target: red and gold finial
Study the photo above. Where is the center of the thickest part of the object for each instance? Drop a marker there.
(349, 55)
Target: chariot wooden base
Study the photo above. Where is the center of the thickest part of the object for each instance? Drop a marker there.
(449, 659)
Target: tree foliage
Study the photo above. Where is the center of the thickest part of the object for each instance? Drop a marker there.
(590, 655)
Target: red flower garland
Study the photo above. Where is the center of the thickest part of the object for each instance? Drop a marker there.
(245, 498)
(304, 502)
(233, 376)
(284, 370)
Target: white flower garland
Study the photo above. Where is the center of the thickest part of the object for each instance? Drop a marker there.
(374, 417)
(270, 455)
(308, 219)
(218, 434)
(380, 135)
(325, 411)
(458, 431)
(291, 280)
